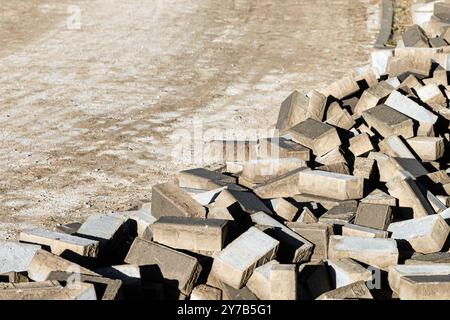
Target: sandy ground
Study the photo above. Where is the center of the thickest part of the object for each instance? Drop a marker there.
(91, 117)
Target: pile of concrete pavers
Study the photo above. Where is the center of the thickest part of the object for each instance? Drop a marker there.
(349, 201)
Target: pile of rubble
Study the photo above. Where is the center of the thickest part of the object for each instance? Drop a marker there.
(349, 201)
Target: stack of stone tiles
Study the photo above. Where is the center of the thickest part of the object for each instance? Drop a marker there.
(349, 201)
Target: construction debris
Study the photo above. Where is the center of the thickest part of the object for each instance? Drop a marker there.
(356, 180)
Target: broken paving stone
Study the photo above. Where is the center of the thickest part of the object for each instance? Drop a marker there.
(364, 168)
(429, 287)
(206, 293)
(293, 247)
(328, 184)
(43, 263)
(347, 271)
(357, 290)
(317, 136)
(360, 144)
(399, 271)
(13, 277)
(353, 230)
(380, 197)
(229, 293)
(388, 121)
(190, 234)
(316, 233)
(430, 258)
(169, 199)
(235, 264)
(176, 268)
(59, 242)
(16, 256)
(342, 120)
(284, 209)
(425, 235)
(283, 282)
(259, 282)
(143, 218)
(427, 148)
(442, 11)
(313, 201)
(377, 216)
(380, 253)
(203, 179)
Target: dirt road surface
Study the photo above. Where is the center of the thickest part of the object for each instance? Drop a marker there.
(95, 93)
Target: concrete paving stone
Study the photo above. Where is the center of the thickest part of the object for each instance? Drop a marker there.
(399, 271)
(293, 247)
(200, 178)
(388, 121)
(284, 186)
(410, 196)
(410, 108)
(283, 282)
(425, 235)
(364, 168)
(307, 217)
(259, 282)
(59, 242)
(48, 290)
(333, 157)
(380, 253)
(378, 196)
(316, 105)
(429, 287)
(176, 268)
(377, 216)
(353, 230)
(357, 290)
(43, 263)
(248, 201)
(416, 37)
(15, 256)
(316, 233)
(372, 97)
(168, 198)
(111, 289)
(262, 170)
(428, 148)
(328, 184)
(342, 88)
(282, 148)
(341, 214)
(360, 144)
(442, 11)
(347, 271)
(340, 167)
(394, 147)
(316, 278)
(430, 258)
(284, 209)
(398, 66)
(229, 293)
(235, 264)
(317, 136)
(342, 120)
(190, 233)
(292, 111)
